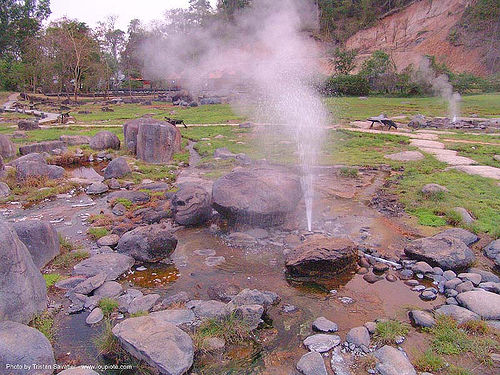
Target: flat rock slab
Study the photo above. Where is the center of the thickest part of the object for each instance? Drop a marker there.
(481, 170)
(405, 156)
(449, 156)
(321, 342)
(393, 362)
(160, 344)
(86, 174)
(175, 316)
(426, 144)
(112, 264)
(458, 313)
(483, 303)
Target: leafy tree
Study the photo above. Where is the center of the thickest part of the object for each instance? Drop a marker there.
(228, 8)
(344, 60)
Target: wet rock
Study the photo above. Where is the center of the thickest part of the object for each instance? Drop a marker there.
(155, 141)
(412, 282)
(177, 316)
(148, 244)
(112, 264)
(422, 267)
(23, 292)
(144, 303)
(260, 196)
(177, 298)
(485, 275)
(312, 363)
(48, 146)
(110, 240)
(41, 239)
(26, 169)
(89, 285)
(117, 168)
(208, 309)
(460, 314)
(322, 256)
(321, 342)
(160, 344)
(250, 314)
(133, 196)
(422, 318)
(474, 278)
(97, 188)
(110, 289)
(104, 140)
(371, 278)
(255, 297)
(7, 148)
(380, 267)
(393, 362)
(430, 189)
(358, 336)
(322, 324)
(461, 234)
(82, 370)
(406, 274)
(483, 303)
(464, 287)
(444, 251)
(191, 205)
(95, 316)
(25, 346)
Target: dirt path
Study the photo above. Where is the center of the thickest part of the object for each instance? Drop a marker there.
(49, 117)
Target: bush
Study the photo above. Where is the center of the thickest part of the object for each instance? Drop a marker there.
(353, 85)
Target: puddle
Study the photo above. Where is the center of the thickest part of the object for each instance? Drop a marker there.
(153, 277)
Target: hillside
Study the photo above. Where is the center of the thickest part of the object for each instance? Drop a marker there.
(424, 28)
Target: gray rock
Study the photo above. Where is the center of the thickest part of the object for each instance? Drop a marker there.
(458, 313)
(125, 299)
(474, 278)
(261, 196)
(339, 366)
(180, 297)
(7, 148)
(95, 316)
(27, 125)
(117, 168)
(144, 303)
(433, 189)
(110, 289)
(97, 188)
(453, 283)
(464, 214)
(148, 244)
(371, 327)
(255, 297)
(160, 344)
(70, 282)
(208, 309)
(78, 371)
(493, 249)
(449, 275)
(89, 285)
(490, 287)
(312, 363)
(464, 287)
(41, 239)
(110, 240)
(485, 304)
(48, 146)
(157, 141)
(119, 209)
(485, 275)
(23, 292)
(112, 264)
(451, 301)
(104, 140)
(4, 189)
(23, 345)
(321, 342)
(27, 169)
(393, 362)
(460, 234)
(322, 324)
(133, 196)
(191, 205)
(250, 314)
(177, 316)
(75, 140)
(444, 251)
(358, 336)
(422, 318)
(35, 157)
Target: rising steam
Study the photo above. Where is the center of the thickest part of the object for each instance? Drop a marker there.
(269, 61)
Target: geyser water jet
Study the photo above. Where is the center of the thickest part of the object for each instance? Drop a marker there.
(266, 50)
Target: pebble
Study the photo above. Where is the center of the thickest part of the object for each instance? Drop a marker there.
(412, 282)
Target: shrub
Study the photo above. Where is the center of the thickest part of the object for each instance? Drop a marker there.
(45, 324)
(387, 332)
(339, 85)
(51, 278)
(108, 306)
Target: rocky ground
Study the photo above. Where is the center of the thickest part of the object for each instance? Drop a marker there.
(176, 272)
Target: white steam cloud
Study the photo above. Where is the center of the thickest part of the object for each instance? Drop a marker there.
(267, 58)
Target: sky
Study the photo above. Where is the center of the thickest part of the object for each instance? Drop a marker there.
(93, 11)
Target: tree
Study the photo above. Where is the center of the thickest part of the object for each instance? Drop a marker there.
(130, 56)
(344, 60)
(229, 8)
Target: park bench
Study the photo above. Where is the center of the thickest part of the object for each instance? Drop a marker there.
(382, 120)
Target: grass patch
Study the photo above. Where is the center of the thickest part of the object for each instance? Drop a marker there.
(51, 278)
(427, 217)
(387, 332)
(348, 172)
(139, 313)
(67, 260)
(97, 232)
(155, 172)
(231, 328)
(127, 203)
(45, 324)
(100, 220)
(429, 361)
(66, 244)
(483, 154)
(108, 306)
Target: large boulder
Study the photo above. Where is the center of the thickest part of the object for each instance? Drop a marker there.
(104, 140)
(157, 141)
(130, 130)
(111, 264)
(191, 205)
(259, 196)
(465, 236)
(28, 169)
(481, 302)
(7, 148)
(23, 293)
(443, 251)
(48, 146)
(24, 346)
(41, 239)
(322, 257)
(148, 244)
(34, 157)
(161, 344)
(117, 168)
